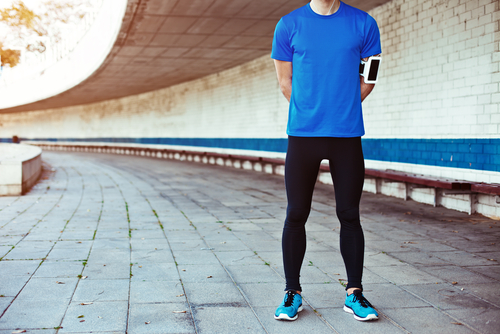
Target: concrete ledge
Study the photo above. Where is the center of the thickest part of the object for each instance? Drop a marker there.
(20, 168)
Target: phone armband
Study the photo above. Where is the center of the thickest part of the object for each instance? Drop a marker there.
(369, 69)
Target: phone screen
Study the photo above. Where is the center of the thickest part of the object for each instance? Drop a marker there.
(372, 76)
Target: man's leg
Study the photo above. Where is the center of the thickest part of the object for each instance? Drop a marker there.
(348, 172)
(301, 171)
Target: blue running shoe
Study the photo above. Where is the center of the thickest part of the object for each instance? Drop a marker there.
(291, 305)
(361, 308)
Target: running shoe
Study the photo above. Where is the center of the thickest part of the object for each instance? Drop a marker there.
(361, 308)
(291, 305)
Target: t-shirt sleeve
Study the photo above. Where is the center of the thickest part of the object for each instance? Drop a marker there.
(281, 43)
(371, 41)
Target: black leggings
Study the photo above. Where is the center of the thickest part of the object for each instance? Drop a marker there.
(347, 168)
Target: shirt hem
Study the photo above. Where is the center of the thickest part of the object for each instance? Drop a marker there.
(281, 58)
(335, 135)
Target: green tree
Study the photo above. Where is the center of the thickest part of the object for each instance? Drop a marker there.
(29, 30)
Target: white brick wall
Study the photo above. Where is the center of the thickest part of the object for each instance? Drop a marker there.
(440, 75)
(243, 102)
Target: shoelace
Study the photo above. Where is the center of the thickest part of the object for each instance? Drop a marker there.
(290, 295)
(362, 300)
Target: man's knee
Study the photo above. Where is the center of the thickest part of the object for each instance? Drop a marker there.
(296, 217)
(349, 218)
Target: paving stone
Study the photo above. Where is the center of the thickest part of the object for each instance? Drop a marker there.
(380, 259)
(255, 273)
(158, 255)
(182, 235)
(36, 331)
(154, 271)
(344, 322)
(446, 297)
(226, 320)
(148, 231)
(226, 246)
(430, 246)
(60, 269)
(322, 259)
(490, 271)
(4, 250)
(435, 321)
(263, 294)
(308, 322)
(33, 314)
(156, 292)
(418, 258)
(187, 245)
(18, 267)
(70, 234)
(160, 318)
(109, 270)
(324, 295)
(195, 257)
(203, 273)
(485, 320)
(245, 257)
(99, 316)
(160, 242)
(452, 273)
(274, 259)
(214, 295)
(101, 290)
(262, 245)
(69, 254)
(384, 296)
(5, 302)
(487, 291)
(462, 258)
(30, 250)
(112, 243)
(110, 255)
(9, 240)
(43, 236)
(49, 290)
(404, 274)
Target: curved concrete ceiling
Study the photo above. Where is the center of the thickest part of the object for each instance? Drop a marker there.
(166, 42)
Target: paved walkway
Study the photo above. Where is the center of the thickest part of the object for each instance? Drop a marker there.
(122, 244)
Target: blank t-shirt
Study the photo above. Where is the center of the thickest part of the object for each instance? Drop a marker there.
(325, 52)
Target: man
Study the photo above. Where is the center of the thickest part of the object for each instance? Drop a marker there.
(317, 51)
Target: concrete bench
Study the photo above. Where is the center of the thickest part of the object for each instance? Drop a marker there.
(20, 168)
(437, 187)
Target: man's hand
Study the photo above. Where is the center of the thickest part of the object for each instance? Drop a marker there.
(284, 72)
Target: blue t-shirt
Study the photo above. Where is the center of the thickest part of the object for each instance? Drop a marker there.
(325, 52)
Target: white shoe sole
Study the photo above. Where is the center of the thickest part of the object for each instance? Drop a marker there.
(284, 316)
(368, 317)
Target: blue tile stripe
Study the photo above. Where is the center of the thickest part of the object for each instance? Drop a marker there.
(477, 154)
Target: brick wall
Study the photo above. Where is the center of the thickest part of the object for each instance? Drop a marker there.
(440, 76)
(439, 88)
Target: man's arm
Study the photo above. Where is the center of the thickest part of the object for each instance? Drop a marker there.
(284, 72)
(366, 89)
